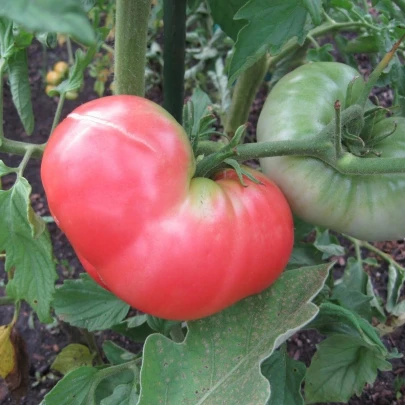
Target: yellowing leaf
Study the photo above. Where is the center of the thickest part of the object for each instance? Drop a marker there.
(71, 357)
(7, 355)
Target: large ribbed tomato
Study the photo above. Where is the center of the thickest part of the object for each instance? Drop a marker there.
(299, 107)
(118, 175)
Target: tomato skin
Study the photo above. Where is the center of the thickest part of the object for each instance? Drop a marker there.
(117, 173)
(301, 105)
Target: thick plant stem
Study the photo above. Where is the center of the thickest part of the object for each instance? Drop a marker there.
(131, 28)
(245, 91)
(174, 18)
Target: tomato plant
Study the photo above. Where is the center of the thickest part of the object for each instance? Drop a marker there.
(167, 209)
(300, 106)
(169, 245)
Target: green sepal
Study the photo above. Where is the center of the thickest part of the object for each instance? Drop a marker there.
(240, 171)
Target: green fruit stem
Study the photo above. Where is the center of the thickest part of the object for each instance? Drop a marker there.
(131, 36)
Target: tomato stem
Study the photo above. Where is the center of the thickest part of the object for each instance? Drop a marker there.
(244, 93)
(58, 111)
(131, 27)
(174, 19)
(20, 148)
(376, 73)
(6, 301)
(374, 249)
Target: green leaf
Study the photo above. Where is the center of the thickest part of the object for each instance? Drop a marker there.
(396, 280)
(76, 72)
(335, 320)
(321, 54)
(314, 8)
(116, 354)
(161, 325)
(6, 38)
(67, 17)
(271, 24)
(5, 169)
(136, 328)
(20, 88)
(71, 357)
(73, 389)
(201, 102)
(88, 4)
(301, 229)
(223, 13)
(28, 253)
(48, 39)
(355, 278)
(83, 303)
(304, 254)
(219, 360)
(108, 385)
(90, 385)
(340, 368)
(285, 376)
(328, 244)
(353, 300)
(124, 394)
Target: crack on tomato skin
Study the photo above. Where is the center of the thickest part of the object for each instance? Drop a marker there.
(110, 124)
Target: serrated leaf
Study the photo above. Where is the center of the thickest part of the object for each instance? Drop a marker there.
(124, 394)
(26, 252)
(73, 389)
(285, 376)
(83, 303)
(6, 351)
(20, 88)
(116, 354)
(335, 320)
(67, 17)
(271, 24)
(219, 360)
(223, 12)
(71, 357)
(340, 368)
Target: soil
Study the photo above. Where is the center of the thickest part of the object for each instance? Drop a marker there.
(44, 342)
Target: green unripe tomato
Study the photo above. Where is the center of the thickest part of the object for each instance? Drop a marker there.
(368, 207)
